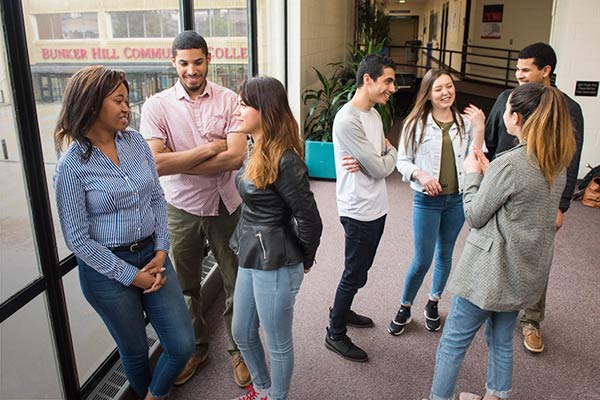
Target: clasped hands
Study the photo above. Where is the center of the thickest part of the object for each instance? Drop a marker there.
(150, 277)
(476, 162)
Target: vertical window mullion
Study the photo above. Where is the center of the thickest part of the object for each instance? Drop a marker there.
(144, 24)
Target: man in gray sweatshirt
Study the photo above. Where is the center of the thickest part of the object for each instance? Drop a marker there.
(363, 159)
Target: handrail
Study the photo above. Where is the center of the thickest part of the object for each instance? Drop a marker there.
(465, 53)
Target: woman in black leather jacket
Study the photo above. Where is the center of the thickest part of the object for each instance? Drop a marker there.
(276, 238)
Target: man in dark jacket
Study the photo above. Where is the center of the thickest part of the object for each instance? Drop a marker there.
(535, 64)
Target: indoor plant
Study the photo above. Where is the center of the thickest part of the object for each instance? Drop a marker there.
(324, 102)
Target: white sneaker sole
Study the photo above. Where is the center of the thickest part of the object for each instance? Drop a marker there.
(398, 324)
(431, 319)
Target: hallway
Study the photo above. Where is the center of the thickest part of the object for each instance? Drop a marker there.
(402, 367)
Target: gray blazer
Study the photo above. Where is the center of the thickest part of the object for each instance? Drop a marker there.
(508, 253)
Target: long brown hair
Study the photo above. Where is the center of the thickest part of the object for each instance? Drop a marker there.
(546, 126)
(279, 127)
(423, 107)
(82, 103)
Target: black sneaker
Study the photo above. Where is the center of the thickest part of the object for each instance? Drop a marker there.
(345, 348)
(402, 319)
(433, 321)
(356, 320)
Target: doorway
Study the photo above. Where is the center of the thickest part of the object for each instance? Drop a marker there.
(402, 29)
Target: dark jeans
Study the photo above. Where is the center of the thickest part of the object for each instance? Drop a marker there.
(122, 309)
(362, 239)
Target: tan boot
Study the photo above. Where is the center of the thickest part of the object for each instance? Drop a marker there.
(533, 339)
(190, 368)
(241, 375)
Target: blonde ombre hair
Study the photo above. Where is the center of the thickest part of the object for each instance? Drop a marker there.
(279, 127)
(546, 126)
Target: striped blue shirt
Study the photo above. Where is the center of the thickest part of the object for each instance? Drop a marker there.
(103, 205)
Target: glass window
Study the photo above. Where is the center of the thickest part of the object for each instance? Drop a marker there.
(28, 364)
(150, 24)
(91, 341)
(119, 24)
(169, 23)
(202, 22)
(221, 22)
(229, 75)
(237, 22)
(67, 26)
(148, 70)
(18, 258)
(270, 34)
(49, 26)
(225, 31)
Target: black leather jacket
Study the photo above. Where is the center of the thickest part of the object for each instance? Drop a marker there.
(280, 225)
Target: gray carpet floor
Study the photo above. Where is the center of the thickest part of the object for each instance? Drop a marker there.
(402, 367)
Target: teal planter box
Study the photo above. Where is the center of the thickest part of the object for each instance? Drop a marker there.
(319, 159)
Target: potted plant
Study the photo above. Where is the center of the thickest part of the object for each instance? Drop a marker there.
(324, 102)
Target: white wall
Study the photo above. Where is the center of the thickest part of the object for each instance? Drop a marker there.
(574, 38)
(325, 30)
(456, 27)
(523, 23)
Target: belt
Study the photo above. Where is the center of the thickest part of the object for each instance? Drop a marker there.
(135, 246)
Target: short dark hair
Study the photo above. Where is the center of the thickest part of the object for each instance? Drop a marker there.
(543, 54)
(189, 40)
(373, 65)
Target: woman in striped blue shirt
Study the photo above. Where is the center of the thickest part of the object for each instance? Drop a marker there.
(113, 217)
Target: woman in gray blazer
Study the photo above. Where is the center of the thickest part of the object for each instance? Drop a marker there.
(511, 209)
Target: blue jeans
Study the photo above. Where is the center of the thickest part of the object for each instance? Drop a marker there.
(122, 310)
(462, 324)
(267, 298)
(361, 241)
(437, 221)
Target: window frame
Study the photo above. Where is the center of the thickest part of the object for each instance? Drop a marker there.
(53, 269)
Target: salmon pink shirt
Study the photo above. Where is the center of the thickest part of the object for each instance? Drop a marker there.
(182, 124)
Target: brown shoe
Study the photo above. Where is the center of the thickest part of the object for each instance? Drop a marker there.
(241, 375)
(533, 339)
(190, 368)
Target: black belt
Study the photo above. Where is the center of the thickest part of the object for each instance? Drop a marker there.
(135, 246)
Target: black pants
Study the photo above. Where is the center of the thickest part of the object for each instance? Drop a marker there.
(362, 239)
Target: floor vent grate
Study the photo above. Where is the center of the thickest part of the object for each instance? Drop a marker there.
(114, 386)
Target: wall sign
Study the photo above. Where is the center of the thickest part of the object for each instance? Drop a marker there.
(491, 27)
(133, 53)
(586, 88)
